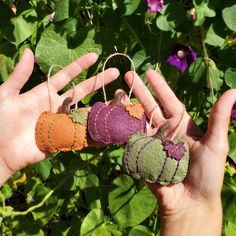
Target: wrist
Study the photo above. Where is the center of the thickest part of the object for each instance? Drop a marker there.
(5, 172)
(201, 219)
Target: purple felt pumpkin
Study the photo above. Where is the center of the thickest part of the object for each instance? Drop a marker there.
(113, 124)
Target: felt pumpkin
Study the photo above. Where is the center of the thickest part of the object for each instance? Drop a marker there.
(62, 131)
(114, 124)
(156, 160)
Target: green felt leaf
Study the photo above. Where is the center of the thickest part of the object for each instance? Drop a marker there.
(53, 48)
(232, 146)
(140, 230)
(229, 15)
(128, 206)
(230, 77)
(80, 115)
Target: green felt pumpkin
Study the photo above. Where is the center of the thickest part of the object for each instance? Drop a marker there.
(155, 160)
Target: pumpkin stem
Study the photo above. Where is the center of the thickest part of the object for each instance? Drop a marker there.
(65, 107)
(160, 134)
(117, 100)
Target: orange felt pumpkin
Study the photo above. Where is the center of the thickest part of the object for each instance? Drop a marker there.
(59, 132)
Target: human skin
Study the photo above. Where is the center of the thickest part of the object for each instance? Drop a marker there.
(20, 111)
(192, 207)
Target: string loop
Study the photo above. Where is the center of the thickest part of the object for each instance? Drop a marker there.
(49, 88)
(103, 69)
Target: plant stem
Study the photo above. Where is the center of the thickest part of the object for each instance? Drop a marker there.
(134, 34)
(159, 52)
(207, 60)
(40, 204)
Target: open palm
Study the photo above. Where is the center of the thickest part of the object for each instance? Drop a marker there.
(208, 152)
(19, 112)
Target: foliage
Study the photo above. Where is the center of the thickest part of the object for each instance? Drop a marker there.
(88, 192)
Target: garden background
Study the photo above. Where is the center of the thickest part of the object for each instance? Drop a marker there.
(75, 193)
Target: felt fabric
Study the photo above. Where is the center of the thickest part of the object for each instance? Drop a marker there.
(57, 132)
(112, 124)
(145, 158)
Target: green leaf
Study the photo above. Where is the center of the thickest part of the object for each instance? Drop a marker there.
(62, 10)
(94, 224)
(128, 206)
(43, 168)
(21, 225)
(172, 16)
(6, 192)
(17, 28)
(45, 213)
(230, 77)
(229, 229)
(232, 146)
(229, 199)
(197, 70)
(203, 9)
(84, 179)
(216, 35)
(131, 6)
(215, 77)
(54, 49)
(7, 63)
(229, 15)
(163, 23)
(140, 230)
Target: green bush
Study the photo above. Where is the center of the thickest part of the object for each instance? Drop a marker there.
(88, 192)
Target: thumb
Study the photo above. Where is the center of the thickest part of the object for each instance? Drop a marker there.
(217, 132)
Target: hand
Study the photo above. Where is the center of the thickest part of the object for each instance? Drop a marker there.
(199, 194)
(19, 112)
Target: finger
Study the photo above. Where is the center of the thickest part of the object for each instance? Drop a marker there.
(166, 96)
(68, 73)
(217, 132)
(88, 86)
(21, 73)
(145, 97)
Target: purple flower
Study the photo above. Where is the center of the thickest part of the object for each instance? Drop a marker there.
(181, 57)
(231, 162)
(174, 150)
(154, 6)
(233, 112)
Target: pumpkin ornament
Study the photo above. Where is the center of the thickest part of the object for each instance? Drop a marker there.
(157, 159)
(64, 130)
(115, 122)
